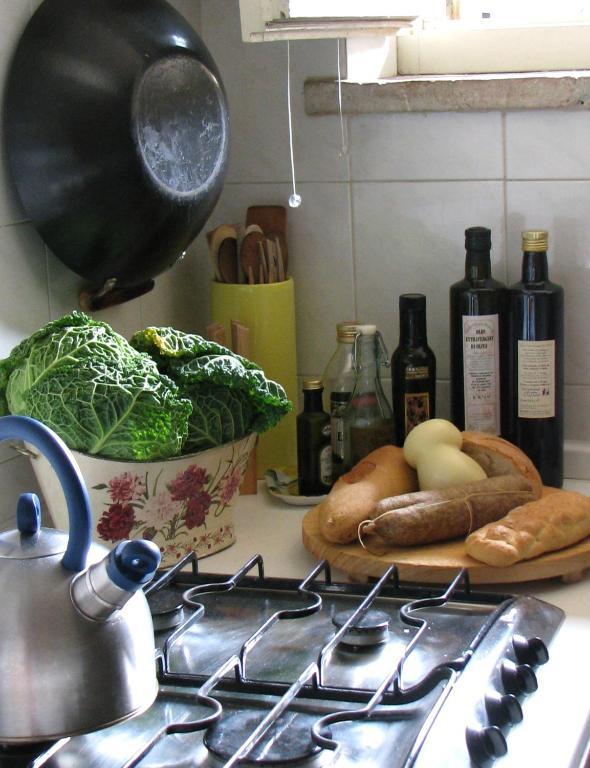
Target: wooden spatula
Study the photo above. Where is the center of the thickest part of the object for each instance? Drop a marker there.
(272, 220)
(250, 251)
(216, 332)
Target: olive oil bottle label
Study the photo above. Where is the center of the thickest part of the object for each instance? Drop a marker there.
(416, 409)
(536, 379)
(338, 401)
(325, 459)
(481, 367)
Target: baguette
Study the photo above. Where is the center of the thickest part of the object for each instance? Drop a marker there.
(553, 522)
(429, 516)
(384, 472)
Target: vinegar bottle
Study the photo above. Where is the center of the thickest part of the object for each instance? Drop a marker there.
(339, 377)
(368, 419)
(478, 325)
(535, 372)
(314, 454)
(413, 369)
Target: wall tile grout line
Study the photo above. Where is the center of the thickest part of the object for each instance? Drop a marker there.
(504, 194)
(487, 179)
(351, 228)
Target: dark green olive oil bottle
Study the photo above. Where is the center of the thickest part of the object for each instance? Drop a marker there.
(314, 450)
(413, 369)
(536, 360)
(478, 331)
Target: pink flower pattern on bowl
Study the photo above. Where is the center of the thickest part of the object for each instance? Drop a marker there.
(179, 512)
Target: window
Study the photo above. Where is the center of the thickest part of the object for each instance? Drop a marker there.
(434, 37)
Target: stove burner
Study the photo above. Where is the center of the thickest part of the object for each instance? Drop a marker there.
(372, 628)
(288, 742)
(166, 609)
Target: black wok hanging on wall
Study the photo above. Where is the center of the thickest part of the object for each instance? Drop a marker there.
(117, 136)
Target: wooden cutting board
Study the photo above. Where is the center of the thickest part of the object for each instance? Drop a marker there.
(439, 563)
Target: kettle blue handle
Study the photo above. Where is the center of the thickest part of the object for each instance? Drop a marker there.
(70, 477)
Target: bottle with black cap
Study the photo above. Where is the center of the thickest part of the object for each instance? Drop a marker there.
(478, 331)
(536, 354)
(314, 451)
(413, 368)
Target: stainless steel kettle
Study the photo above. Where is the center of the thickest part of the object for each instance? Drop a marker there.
(76, 638)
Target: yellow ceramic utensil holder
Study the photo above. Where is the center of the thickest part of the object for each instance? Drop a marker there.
(268, 310)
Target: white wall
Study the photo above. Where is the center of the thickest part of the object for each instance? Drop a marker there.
(384, 219)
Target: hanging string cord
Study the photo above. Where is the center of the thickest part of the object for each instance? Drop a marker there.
(344, 148)
(294, 199)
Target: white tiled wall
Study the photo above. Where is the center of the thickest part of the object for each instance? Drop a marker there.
(386, 217)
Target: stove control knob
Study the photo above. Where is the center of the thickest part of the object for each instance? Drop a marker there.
(485, 743)
(502, 708)
(531, 650)
(517, 678)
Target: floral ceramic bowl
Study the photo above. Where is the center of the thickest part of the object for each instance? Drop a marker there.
(181, 504)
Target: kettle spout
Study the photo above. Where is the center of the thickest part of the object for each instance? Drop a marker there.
(105, 587)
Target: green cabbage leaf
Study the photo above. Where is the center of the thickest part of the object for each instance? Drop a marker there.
(98, 393)
(230, 394)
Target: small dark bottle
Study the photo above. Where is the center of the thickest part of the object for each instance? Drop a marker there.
(413, 369)
(314, 451)
(478, 331)
(535, 371)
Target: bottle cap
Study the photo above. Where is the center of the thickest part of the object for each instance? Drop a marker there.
(312, 384)
(347, 330)
(535, 240)
(412, 302)
(478, 239)
(366, 330)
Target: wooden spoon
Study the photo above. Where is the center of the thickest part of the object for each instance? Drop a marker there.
(223, 246)
(250, 250)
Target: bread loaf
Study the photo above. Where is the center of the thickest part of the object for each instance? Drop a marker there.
(556, 521)
(499, 457)
(384, 472)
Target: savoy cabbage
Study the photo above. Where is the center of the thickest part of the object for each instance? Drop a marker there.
(163, 394)
(230, 394)
(101, 396)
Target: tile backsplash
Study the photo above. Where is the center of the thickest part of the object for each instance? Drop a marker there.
(381, 216)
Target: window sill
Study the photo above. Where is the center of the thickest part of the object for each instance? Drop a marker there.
(452, 93)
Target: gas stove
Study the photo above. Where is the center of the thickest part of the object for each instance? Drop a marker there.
(258, 671)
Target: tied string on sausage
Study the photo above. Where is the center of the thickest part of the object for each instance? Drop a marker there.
(429, 522)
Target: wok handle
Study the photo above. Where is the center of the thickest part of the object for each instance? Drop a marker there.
(109, 296)
(70, 477)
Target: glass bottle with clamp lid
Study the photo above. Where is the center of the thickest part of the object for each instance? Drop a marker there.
(339, 378)
(368, 418)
